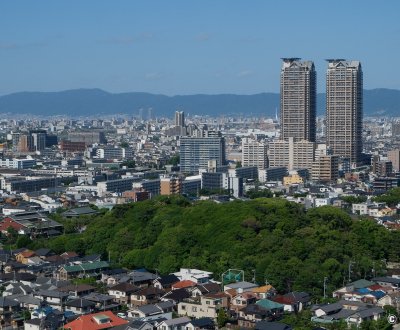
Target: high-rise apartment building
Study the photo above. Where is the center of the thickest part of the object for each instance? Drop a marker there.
(298, 99)
(292, 155)
(254, 153)
(195, 153)
(179, 118)
(344, 106)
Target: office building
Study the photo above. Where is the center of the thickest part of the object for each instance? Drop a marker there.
(298, 100)
(196, 152)
(272, 174)
(254, 153)
(344, 106)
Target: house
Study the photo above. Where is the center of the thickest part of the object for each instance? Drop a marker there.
(183, 285)
(55, 299)
(102, 301)
(202, 323)
(146, 296)
(388, 281)
(249, 315)
(174, 324)
(165, 282)
(242, 300)
(153, 311)
(265, 325)
(176, 295)
(31, 223)
(87, 269)
(352, 312)
(77, 212)
(135, 325)
(23, 257)
(293, 301)
(80, 306)
(196, 275)
(203, 306)
(203, 289)
(96, 321)
(78, 290)
(240, 286)
(264, 292)
(122, 292)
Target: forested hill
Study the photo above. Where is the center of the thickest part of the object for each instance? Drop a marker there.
(290, 248)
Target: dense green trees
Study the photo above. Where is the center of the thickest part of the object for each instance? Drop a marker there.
(285, 245)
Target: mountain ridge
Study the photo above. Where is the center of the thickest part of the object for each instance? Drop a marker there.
(92, 101)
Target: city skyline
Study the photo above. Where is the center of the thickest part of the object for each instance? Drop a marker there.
(181, 48)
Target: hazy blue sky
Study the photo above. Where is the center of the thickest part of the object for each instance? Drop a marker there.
(185, 47)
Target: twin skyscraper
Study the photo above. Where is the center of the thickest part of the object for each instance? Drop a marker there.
(344, 103)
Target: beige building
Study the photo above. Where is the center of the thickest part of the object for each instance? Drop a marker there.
(344, 106)
(394, 157)
(298, 99)
(170, 185)
(254, 153)
(291, 154)
(204, 306)
(325, 168)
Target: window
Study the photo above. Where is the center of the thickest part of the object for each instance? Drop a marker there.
(194, 309)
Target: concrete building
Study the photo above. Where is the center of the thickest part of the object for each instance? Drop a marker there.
(179, 118)
(298, 99)
(272, 174)
(191, 185)
(170, 185)
(88, 137)
(196, 152)
(114, 153)
(394, 157)
(254, 153)
(291, 154)
(325, 168)
(344, 108)
(115, 186)
(248, 172)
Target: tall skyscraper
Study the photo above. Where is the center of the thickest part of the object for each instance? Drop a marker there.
(196, 152)
(298, 99)
(344, 107)
(179, 118)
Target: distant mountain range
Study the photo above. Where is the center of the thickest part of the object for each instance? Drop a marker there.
(89, 102)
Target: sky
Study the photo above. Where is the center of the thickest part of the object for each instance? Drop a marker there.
(178, 47)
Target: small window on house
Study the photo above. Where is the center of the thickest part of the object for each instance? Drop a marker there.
(207, 302)
(183, 307)
(194, 309)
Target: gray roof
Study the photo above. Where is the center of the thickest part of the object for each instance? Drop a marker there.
(80, 303)
(6, 302)
(179, 320)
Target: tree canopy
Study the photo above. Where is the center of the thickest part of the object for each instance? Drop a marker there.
(290, 248)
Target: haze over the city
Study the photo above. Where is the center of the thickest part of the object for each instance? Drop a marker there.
(182, 47)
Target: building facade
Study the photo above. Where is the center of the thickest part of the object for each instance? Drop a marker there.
(196, 152)
(254, 153)
(344, 108)
(298, 99)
